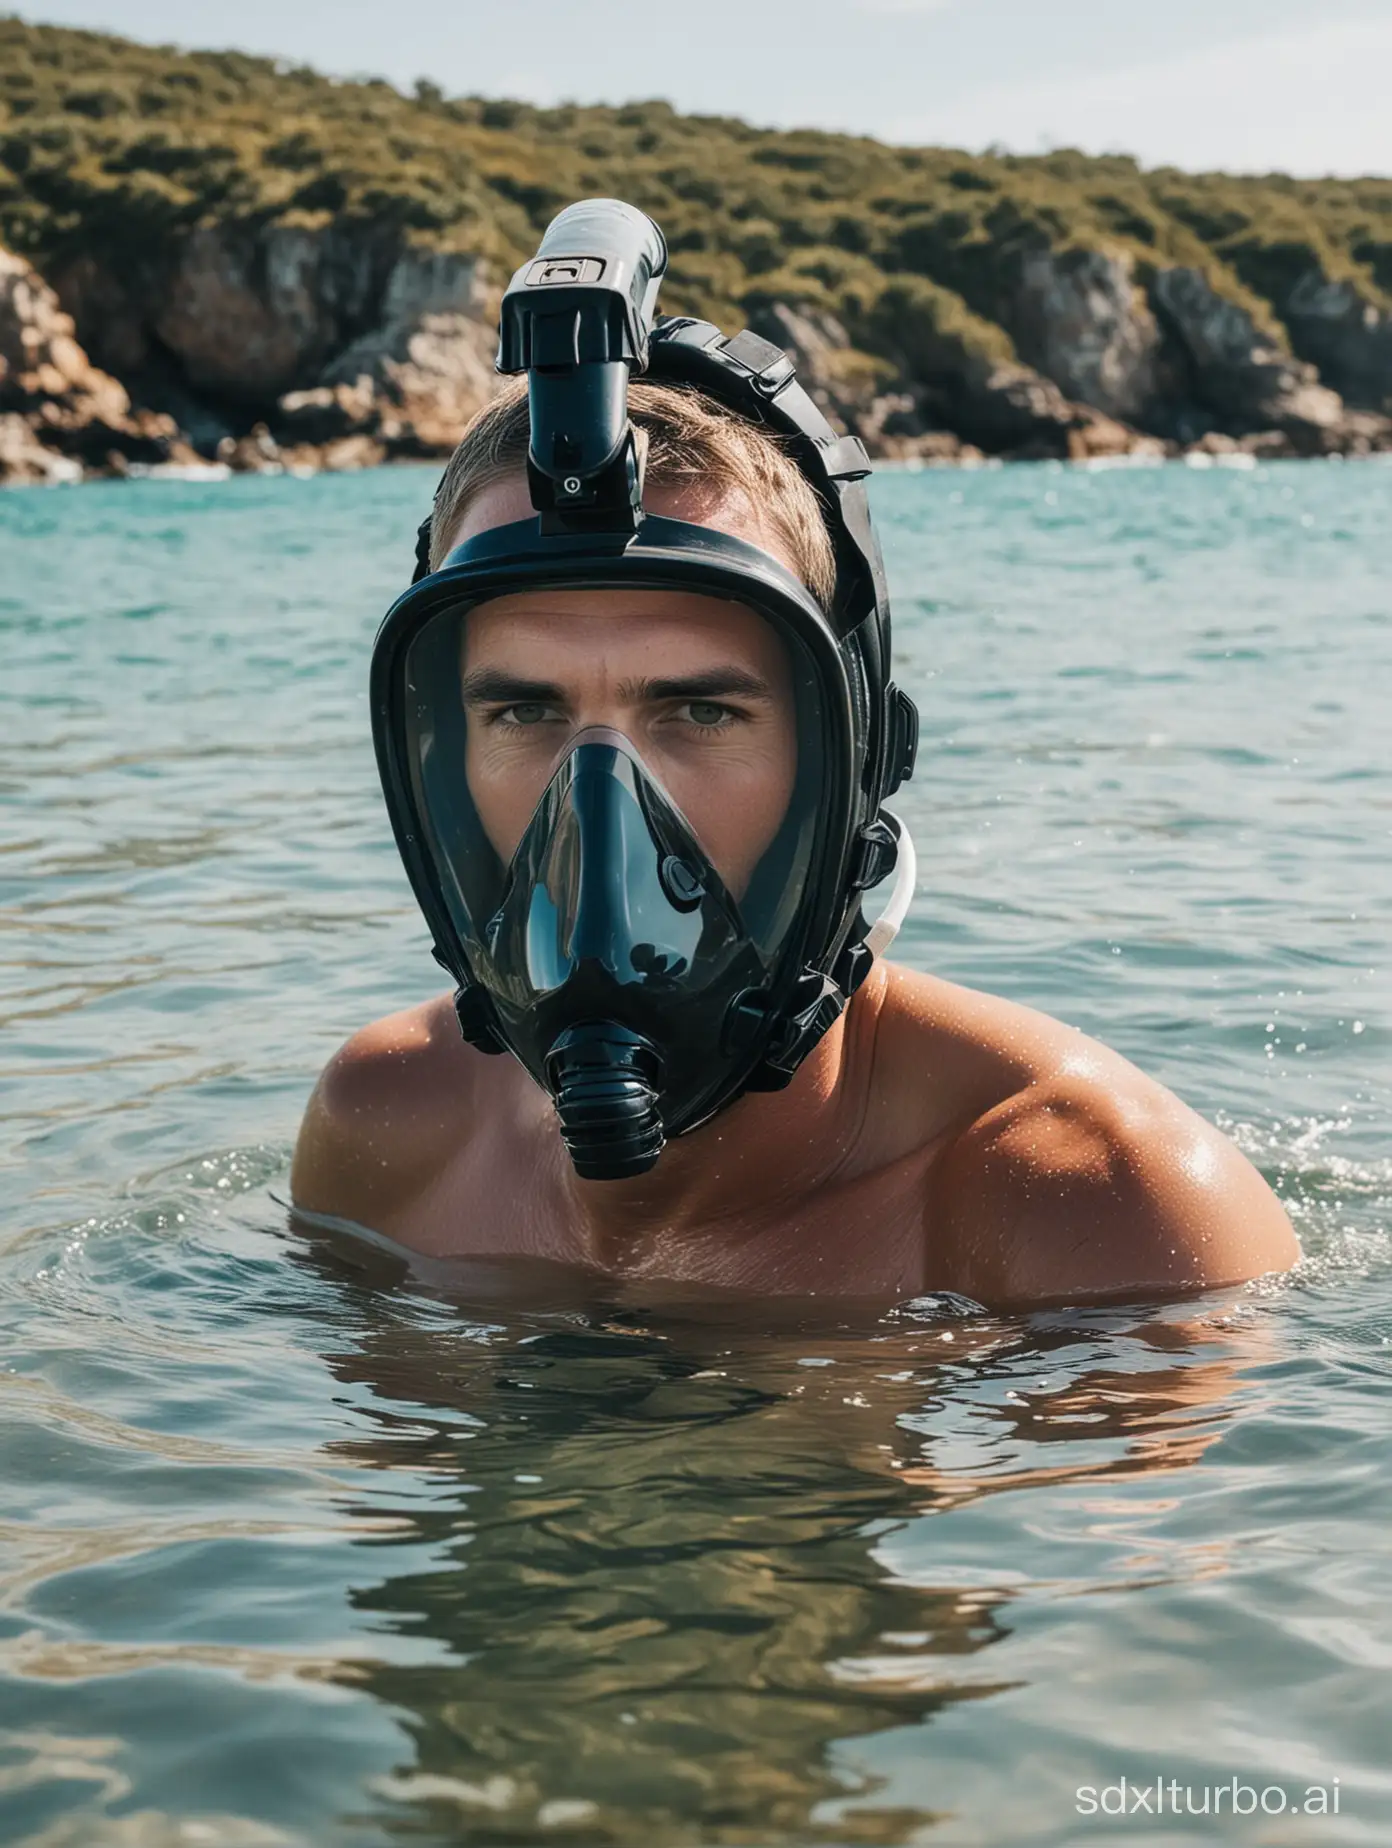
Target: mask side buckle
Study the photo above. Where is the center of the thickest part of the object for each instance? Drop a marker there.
(819, 1003)
(475, 1018)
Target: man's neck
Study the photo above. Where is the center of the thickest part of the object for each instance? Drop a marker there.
(750, 1165)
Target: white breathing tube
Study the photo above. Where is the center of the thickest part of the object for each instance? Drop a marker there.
(886, 926)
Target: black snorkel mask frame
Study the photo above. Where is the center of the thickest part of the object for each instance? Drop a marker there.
(578, 321)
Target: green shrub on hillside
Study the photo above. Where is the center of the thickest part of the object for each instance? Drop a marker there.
(931, 331)
(110, 146)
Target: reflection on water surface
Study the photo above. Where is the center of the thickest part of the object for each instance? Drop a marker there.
(297, 1547)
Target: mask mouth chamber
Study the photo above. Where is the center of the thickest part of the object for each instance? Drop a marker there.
(652, 920)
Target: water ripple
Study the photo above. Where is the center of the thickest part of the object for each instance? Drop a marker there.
(297, 1548)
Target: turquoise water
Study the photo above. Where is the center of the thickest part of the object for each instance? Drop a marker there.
(295, 1550)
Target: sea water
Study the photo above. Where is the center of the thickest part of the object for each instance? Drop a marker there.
(296, 1548)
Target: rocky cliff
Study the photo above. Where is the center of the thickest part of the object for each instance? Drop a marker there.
(60, 415)
(213, 258)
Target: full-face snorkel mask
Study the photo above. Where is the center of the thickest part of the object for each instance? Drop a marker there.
(647, 965)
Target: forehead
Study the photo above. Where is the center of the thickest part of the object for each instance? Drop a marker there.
(643, 631)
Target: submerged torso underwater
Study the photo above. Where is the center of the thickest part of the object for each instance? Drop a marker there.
(637, 729)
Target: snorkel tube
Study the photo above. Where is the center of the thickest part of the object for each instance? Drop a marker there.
(577, 320)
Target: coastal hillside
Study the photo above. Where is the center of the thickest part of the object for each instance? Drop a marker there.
(215, 255)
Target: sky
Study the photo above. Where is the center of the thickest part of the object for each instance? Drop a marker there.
(1300, 86)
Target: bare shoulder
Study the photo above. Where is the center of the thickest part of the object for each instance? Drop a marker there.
(385, 1116)
(1064, 1171)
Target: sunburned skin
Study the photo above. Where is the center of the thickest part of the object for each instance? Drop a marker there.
(936, 1139)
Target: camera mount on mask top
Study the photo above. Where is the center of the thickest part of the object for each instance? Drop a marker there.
(577, 320)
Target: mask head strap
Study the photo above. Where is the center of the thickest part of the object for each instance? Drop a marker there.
(423, 548)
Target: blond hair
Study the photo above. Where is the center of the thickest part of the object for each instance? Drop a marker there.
(691, 439)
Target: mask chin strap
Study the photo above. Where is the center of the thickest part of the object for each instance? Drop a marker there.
(886, 926)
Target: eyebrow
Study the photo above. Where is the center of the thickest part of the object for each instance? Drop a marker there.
(489, 685)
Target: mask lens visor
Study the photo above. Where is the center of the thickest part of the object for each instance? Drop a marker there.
(584, 793)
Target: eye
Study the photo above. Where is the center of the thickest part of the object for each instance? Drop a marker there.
(525, 712)
(707, 714)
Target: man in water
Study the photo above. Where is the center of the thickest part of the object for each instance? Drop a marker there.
(637, 767)
(936, 1138)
